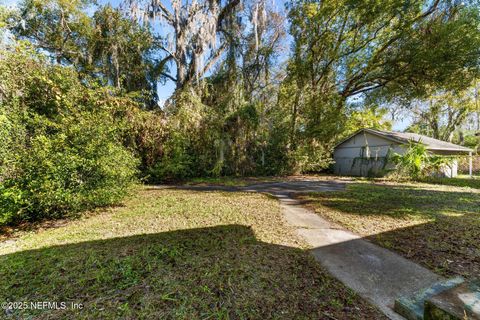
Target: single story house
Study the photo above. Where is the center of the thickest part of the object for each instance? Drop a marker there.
(365, 152)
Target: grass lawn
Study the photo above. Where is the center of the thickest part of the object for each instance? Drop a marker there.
(173, 254)
(460, 181)
(244, 181)
(436, 225)
(228, 181)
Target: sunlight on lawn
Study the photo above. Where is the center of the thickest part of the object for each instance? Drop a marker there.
(153, 211)
(436, 225)
(175, 254)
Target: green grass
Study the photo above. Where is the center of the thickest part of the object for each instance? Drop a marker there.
(460, 181)
(223, 181)
(232, 181)
(245, 181)
(436, 225)
(172, 254)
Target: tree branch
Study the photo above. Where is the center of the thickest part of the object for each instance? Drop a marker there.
(170, 54)
(163, 11)
(226, 11)
(166, 75)
(213, 59)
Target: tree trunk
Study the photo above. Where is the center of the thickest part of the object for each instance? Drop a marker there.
(293, 126)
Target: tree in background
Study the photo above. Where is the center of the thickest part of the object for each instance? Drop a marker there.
(224, 123)
(107, 46)
(365, 116)
(197, 33)
(449, 115)
(239, 108)
(58, 27)
(350, 48)
(243, 91)
(442, 114)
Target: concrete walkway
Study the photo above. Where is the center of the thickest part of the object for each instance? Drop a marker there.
(375, 273)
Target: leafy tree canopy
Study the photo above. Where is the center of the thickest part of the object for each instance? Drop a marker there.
(350, 50)
(355, 46)
(108, 45)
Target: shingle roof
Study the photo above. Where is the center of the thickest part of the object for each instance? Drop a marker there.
(405, 137)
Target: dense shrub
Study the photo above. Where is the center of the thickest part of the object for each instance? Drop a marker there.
(176, 162)
(63, 141)
(220, 133)
(71, 171)
(417, 162)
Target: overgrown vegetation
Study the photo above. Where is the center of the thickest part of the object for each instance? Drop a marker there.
(62, 147)
(435, 225)
(174, 254)
(80, 112)
(417, 162)
(81, 122)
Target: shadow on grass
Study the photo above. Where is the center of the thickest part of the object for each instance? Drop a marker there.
(449, 245)
(400, 201)
(218, 272)
(436, 228)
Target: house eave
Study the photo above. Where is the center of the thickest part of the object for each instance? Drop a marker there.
(401, 142)
(450, 150)
(371, 132)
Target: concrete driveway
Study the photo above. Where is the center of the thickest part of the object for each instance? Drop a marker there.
(375, 273)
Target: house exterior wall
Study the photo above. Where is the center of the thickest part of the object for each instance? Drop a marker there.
(450, 171)
(364, 154)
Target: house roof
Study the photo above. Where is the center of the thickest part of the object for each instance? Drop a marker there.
(406, 137)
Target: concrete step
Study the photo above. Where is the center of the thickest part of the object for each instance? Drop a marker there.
(413, 307)
(457, 303)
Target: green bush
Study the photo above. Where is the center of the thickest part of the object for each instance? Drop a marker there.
(176, 162)
(417, 162)
(12, 203)
(63, 141)
(66, 173)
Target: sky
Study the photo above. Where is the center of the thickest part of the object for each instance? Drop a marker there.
(9, 2)
(165, 90)
(401, 124)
